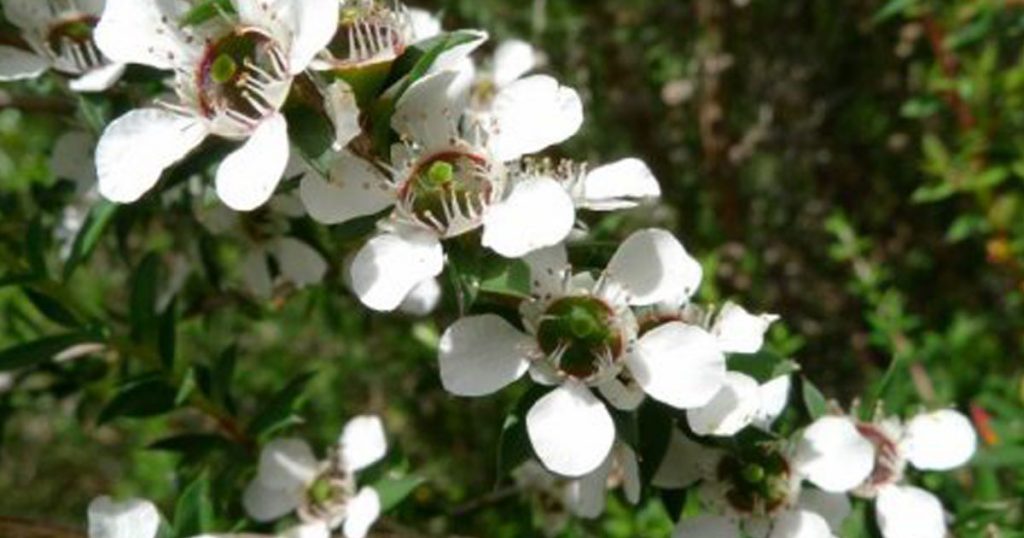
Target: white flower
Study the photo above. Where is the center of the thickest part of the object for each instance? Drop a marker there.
(754, 491)
(231, 81)
(833, 455)
(72, 159)
(586, 495)
(290, 478)
(740, 402)
(580, 335)
(264, 234)
(423, 298)
(59, 36)
(442, 182)
(372, 32)
(444, 185)
(583, 496)
(134, 518)
(936, 441)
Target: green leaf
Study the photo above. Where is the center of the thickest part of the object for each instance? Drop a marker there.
(763, 366)
(655, 423)
(204, 10)
(514, 447)
(29, 354)
(892, 9)
(139, 398)
(280, 411)
(223, 374)
(814, 400)
(35, 248)
(144, 296)
(167, 335)
(52, 309)
(412, 65)
(89, 236)
(194, 512)
(192, 446)
(393, 490)
(506, 277)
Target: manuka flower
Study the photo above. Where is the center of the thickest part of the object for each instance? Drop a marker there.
(232, 75)
(264, 234)
(323, 493)
(444, 181)
(58, 35)
(757, 489)
(581, 335)
(935, 441)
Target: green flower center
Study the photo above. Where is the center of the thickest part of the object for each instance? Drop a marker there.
(448, 192)
(758, 480)
(583, 330)
(236, 72)
(77, 30)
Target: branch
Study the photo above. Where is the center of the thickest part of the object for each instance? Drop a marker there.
(950, 66)
(28, 103)
(23, 528)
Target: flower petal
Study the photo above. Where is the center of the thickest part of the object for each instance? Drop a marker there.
(730, 410)
(72, 159)
(774, 396)
(512, 59)
(300, 263)
(630, 472)
(136, 148)
(833, 455)
(423, 24)
(363, 442)
(653, 267)
(939, 440)
(531, 114)
(309, 530)
(247, 178)
(623, 396)
(316, 23)
(479, 355)
(285, 463)
(99, 79)
(134, 518)
(678, 364)
(264, 503)
(906, 511)
(548, 269)
(570, 429)
(390, 265)
(17, 64)
(537, 213)
(341, 106)
(739, 331)
(800, 524)
(834, 507)
(423, 298)
(586, 494)
(256, 273)
(424, 114)
(146, 32)
(362, 511)
(28, 15)
(707, 526)
(619, 185)
(683, 463)
(356, 189)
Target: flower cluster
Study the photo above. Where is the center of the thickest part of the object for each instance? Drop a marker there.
(357, 111)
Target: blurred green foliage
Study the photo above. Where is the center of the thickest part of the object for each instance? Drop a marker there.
(856, 167)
